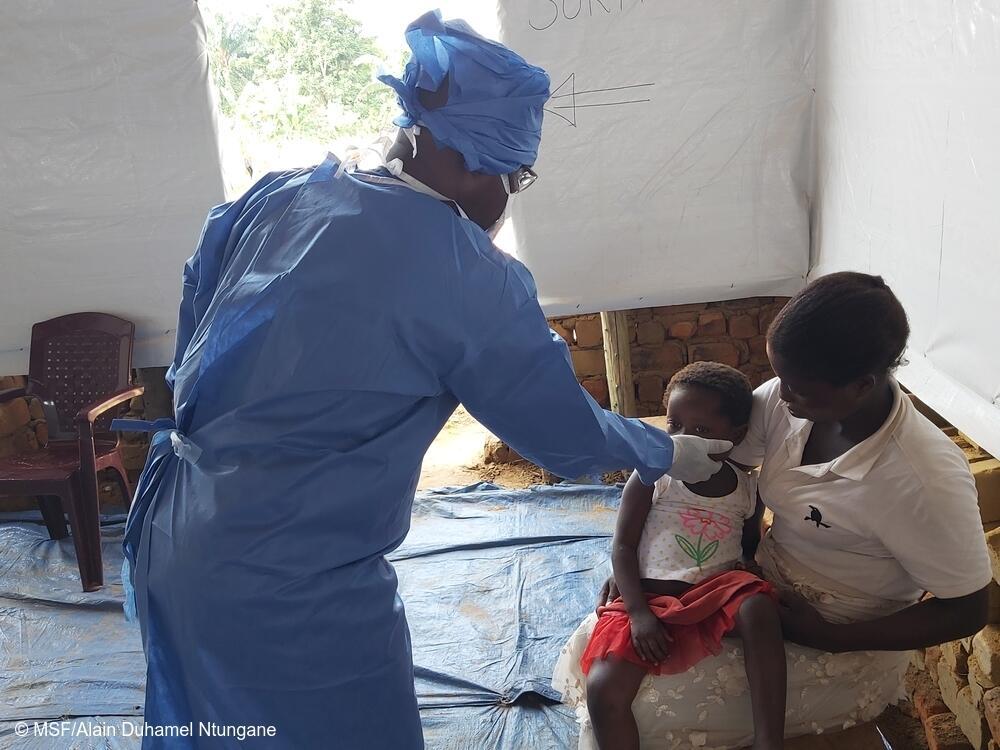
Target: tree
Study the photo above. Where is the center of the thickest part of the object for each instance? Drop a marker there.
(305, 71)
(230, 58)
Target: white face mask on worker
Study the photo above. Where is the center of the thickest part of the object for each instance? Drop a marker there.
(497, 225)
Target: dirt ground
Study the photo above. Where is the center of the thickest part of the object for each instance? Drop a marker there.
(455, 459)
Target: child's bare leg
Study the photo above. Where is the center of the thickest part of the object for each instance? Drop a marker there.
(612, 685)
(758, 625)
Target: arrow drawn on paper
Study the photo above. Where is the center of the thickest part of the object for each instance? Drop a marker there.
(565, 105)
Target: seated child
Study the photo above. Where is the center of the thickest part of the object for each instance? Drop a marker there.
(681, 556)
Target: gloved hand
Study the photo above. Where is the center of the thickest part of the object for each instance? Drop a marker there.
(692, 462)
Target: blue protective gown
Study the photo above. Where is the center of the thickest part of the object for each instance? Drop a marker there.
(329, 327)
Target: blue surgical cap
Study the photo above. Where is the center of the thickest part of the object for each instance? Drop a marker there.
(493, 116)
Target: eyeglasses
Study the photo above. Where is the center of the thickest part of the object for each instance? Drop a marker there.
(518, 181)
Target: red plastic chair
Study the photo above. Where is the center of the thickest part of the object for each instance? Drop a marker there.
(80, 369)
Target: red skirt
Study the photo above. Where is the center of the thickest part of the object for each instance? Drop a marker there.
(698, 620)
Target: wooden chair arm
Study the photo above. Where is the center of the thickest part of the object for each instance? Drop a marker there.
(88, 414)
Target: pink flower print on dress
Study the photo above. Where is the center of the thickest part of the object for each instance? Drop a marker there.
(713, 526)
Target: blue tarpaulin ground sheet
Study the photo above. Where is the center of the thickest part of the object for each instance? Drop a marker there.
(493, 580)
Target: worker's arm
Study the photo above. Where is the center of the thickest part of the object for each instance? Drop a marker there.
(524, 390)
(516, 377)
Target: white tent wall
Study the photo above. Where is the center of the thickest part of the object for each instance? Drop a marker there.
(680, 162)
(110, 163)
(908, 184)
(676, 156)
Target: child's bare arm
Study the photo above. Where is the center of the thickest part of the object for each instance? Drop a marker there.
(649, 636)
(637, 499)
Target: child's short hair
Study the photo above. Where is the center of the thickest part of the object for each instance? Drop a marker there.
(731, 385)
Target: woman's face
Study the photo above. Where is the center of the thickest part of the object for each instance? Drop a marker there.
(816, 400)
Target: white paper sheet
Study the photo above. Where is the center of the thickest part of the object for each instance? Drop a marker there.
(676, 152)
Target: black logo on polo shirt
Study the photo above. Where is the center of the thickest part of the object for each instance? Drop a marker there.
(817, 517)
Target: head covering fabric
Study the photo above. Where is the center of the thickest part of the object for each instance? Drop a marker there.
(493, 116)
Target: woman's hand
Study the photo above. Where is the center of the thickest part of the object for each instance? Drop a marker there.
(609, 592)
(649, 637)
(801, 623)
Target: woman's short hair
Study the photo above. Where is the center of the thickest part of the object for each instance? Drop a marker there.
(840, 328)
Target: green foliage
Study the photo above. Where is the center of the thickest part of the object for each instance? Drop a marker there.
(305, 71)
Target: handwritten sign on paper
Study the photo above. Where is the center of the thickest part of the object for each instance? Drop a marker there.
(676, 162)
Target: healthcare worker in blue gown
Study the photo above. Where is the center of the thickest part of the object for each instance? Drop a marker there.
(332, 320)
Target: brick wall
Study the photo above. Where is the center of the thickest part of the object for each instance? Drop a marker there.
(22, 424)
(954, 688)
(664, 339)
(22, 428)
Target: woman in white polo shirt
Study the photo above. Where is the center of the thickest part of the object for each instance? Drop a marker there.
(873, 506)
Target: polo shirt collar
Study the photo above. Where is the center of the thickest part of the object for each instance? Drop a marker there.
(859, 460)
